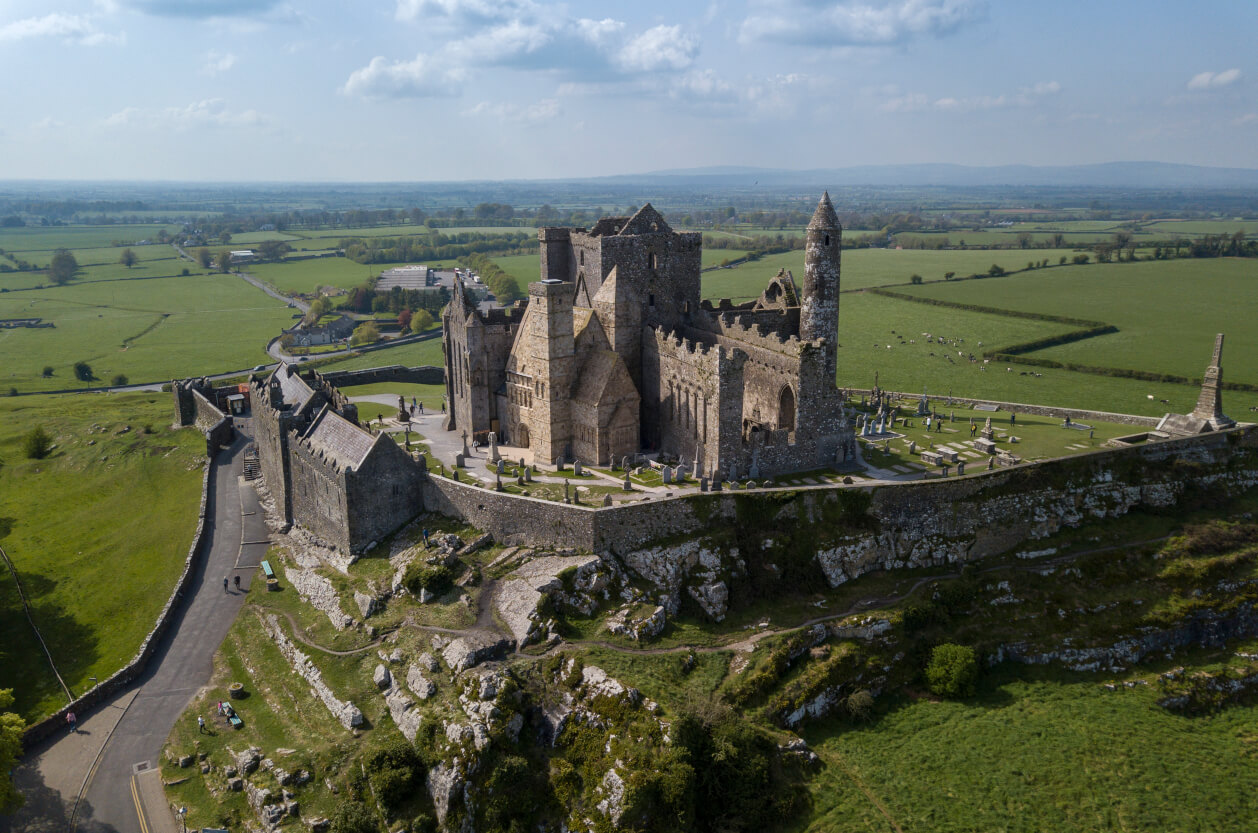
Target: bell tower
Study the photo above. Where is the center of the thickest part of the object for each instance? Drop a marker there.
(819, 302)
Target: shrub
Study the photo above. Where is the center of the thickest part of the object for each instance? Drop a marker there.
(394, 771)
(952, 670)
(859, 705)
(366, 333)
(997, 271)
(916, 279)
(36, 444)
(353, 817)
(119, 380)
(48, 371)
(437, 579)
(421, 321)
(83, 372)
(1079, 260)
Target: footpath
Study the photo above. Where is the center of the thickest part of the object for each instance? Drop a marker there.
(106, 777)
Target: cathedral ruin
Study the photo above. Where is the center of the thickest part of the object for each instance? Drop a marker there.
(614, 353)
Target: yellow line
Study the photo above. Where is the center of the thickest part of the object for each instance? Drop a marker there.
(139, 808)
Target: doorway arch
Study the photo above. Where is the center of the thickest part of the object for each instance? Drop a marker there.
(786, 408)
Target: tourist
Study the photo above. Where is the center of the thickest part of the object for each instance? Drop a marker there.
(237, 580)
(1012, 419)
(73, 722)
(425, 537)
(200, 725)
(224, 584)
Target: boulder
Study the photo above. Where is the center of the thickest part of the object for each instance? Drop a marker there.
(418, 683)
(382, 678)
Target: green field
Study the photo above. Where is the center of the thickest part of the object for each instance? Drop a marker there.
(96, 558)
(149, 330)
(306, 276)
(1037, 750)
(1197, 228)
(429, 395)
(1167, 312)
(862, 268)
(413, 354)
(31, 240)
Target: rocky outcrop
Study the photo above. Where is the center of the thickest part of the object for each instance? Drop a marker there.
(344, 711)
(473, 648)
(403, 711)
(698, 566)
(641, 628)
(518, 595)
(320, 594)
(419, 684)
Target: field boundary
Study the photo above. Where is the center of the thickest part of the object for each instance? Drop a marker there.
(124, 676)
(26, 608)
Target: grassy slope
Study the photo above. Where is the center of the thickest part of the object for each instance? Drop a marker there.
(1038, 750)
(1167, 311)
(178, 326)
(415, 354)
(97, 560)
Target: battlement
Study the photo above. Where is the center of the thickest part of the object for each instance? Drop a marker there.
(674, 344)
(758, 335)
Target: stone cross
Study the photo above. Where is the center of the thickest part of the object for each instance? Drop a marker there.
(494, 456)
(624, 463)
(566, 497)
(466, 453)
(498, 482)
(627, 486)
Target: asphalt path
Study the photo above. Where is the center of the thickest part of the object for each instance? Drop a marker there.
(236, 541)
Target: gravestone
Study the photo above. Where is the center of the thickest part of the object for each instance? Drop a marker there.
(559, 463)
(912, 446)
(500, 467)
(960, 467)
(703, 484)
(607, 499)
(566, 497)
(460, 460)
(987, 433)
(494, 456)
(519, 480)
(985, 446)
(716, 484)
(667, 474)
(466, 452)
(498, 482)
(576, 468)
(528, 474)
(454, 475)
(627, 486)
(624, 463)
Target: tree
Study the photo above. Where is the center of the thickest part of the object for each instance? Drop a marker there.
(204, 258)
(1079, 260)
(11, 726)
(421, 321)
(127, 258)
(365, 333)
(224, 261)
(83, 372)
(997, 271)
(224, 238)
(37, 443)
(12, 221)
(915, 279)
(48, 371)
(1024, 239)
(404, 320)
(119, 381)
(272, 250)
(952, 670)
(353, 817)
(62, 267)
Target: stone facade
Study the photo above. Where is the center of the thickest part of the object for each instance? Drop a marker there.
(325, 472)
(615, 352)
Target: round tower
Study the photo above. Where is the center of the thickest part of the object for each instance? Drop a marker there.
(819, 302)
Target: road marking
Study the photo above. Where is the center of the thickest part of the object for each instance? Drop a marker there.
(139, 806)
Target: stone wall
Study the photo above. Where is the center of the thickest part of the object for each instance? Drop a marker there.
(513, 519)
(940, 404)
(423, 375)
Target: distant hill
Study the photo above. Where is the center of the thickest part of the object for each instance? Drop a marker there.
(1108, 174)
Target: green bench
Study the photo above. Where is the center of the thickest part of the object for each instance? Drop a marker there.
(272, 583)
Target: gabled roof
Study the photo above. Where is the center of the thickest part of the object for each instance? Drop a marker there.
(603, 378)
(335, 437)
(646, 221)
(292, 387)
(590, 332)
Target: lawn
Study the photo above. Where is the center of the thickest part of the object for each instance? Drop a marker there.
(412, 354)
(429, 395)
(306, 276)
(149, 330)
(95, 576)
(1038, 750)
(1167, 312)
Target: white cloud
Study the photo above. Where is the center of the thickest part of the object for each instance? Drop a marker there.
(422, 77)
(217, 62)
(659, 48)
(210, 112)
(920, 102)
(1213, 80)
(1248, 118)
(857, 22)
(48, 123)
(76, 28)
(543, 111)
(775, 94)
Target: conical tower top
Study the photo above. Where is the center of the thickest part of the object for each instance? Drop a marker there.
(824, 217)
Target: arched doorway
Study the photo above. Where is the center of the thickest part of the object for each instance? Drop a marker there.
(786, 408)
(522, 435)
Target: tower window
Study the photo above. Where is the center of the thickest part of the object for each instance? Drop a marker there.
(650, 300)
(827, 240)
(651, 260)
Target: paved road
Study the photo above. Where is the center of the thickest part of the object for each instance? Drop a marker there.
(132, 728)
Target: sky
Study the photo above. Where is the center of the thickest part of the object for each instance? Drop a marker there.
(429, 90)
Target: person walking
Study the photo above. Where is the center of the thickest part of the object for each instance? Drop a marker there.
(200, 725)
(73, 722)
(237, 579)
(224, 584)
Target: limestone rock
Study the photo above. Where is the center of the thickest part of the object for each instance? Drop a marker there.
(366, 604)
(403, 711)
(418, 683)
(713, 597)
(472, 649)
(381, 677)
(613, 790)
(445, 785)
(344, 711)
(320, 594)
(640, 629)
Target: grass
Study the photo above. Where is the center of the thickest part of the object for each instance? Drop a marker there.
(149, 330)
(95, 577)
(44, 239)
(1036, 750)
(1167, 312)
(863, 268)
(429, 395)
(306, 276)
(413, 354)
(867, 322)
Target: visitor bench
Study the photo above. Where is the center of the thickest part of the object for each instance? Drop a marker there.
(267, 571)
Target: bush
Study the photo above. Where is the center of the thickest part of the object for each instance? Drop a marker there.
(36, 444)
(1079, 260)
(366, 333)
(952, 670)
(83, 372)
(916, 279)
(353, 817)
(48, 371)
(118, 381)
(437, 579)
(859, 705)
(394, 771)
(421, 321)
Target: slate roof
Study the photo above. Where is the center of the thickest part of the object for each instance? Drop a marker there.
(294, 388)
(338, 438)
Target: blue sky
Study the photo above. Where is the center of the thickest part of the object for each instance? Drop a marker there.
(406, 90)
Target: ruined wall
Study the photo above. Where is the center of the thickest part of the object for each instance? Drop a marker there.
(318, 495)
(270, 435)
(382, 496)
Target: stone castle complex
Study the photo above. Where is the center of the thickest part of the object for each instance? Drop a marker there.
(614, 353)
